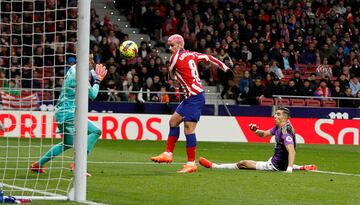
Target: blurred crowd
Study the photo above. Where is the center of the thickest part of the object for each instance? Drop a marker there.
(36, 39)
(297, 48)
(304, 47)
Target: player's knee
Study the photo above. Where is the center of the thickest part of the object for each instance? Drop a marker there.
(97, 132)
(173, 123)
(189, 129)
(243, 164)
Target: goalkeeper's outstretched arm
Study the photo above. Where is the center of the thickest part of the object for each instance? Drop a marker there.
(98, 75)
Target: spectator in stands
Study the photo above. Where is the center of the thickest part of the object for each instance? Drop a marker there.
(337, 68)
(255, 72)
(285, 62)
(346, 72)
(112, 39)
(175, 89)
(111, 51)
(292, 89)
(145, 94)
(354, 85)
(306, 89)
(312, 80)
(297, 79)
(245, 54)
(144, 75)
(95, 37)
(274, 88)
(327, 53)
(335, 89)
(309, 57)
(165, 99)
(245, 84)
(323, 90)
(357, 102)
(256, 92)
(324, 69)
(275, 69)
(347, 102)
(344, 83)
(225, 78)
(355, 68)
(144, 50)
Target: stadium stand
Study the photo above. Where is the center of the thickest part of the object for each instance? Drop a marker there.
(286, 36)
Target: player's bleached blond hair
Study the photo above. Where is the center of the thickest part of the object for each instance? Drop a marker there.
(178, 39)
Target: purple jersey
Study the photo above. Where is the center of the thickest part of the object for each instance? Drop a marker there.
(283, 136)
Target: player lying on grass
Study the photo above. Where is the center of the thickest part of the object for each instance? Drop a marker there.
(65, 115)
(184, 68)
(284, 152)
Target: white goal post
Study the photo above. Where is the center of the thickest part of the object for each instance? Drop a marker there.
(38, 40)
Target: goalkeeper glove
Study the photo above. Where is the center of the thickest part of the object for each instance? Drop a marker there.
(94, 76)
(99, 74)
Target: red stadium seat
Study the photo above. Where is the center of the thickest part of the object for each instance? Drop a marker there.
(288, 72)
(312, 103)
(297, 102)
(282, 102)
(328, 103)
(266, 102)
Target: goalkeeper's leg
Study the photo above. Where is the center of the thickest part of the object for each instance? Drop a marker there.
(94, 133)
(67, 129)
(53, 152)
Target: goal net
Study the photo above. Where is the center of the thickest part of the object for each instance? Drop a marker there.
(37, 44)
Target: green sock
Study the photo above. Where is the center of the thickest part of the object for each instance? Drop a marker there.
(92, 138)
(53, 152)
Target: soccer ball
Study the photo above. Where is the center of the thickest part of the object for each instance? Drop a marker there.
(128, 49)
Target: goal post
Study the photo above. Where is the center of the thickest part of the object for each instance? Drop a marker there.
(37, 40)
(81, 115)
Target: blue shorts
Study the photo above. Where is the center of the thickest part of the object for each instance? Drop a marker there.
(190, 108)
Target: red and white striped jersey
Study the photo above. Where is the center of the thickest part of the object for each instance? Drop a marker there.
(183, 66)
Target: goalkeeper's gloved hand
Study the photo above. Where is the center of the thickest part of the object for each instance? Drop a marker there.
(94, 76)
(99, 73)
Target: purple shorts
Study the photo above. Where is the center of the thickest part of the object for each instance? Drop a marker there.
(190, 108)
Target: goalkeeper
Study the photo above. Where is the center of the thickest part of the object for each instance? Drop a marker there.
(65, 115)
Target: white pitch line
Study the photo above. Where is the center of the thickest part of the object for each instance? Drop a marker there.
(336, 173)
(177, 163)
(131, 163)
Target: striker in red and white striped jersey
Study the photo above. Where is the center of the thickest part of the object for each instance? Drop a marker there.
(183, 66)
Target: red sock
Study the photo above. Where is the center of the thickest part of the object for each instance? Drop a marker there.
(170, 145)
(190, 153)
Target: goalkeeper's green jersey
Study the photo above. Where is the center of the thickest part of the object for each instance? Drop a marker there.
(65, 107)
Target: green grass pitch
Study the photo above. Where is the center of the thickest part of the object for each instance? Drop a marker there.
(123, 174)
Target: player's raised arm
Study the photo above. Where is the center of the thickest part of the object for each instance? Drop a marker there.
(258, 132)
(98, 75)
(212, 60)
